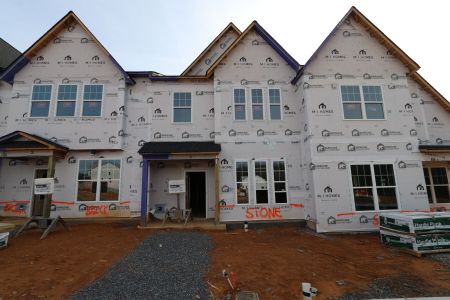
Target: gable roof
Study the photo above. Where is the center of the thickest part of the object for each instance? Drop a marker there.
(389, 44)
(7, 54)
(19, 141)
(377, 33)
(69, 18)
(229, 27)
(426, 86)
(267, 37)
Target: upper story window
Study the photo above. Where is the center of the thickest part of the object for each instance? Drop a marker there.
(239, 105)
(182, 107)
(92, 100)
(275, 104)
(40, 100)
(66, 100)
(355, 107)
(257, 104)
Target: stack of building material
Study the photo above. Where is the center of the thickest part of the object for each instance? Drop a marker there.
(417, 232)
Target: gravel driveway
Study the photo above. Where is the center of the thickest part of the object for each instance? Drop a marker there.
(166, 265)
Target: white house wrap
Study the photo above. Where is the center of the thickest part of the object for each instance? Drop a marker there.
(255, 135)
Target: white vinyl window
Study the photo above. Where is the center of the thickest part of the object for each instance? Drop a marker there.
(66, 100)
(257, 104)
(261, 182)
(92, 100)
(242, 182)
(355, 107)
(182, 107)
(275, 104)
(40, 100)
(239, 105)
(98, 186)
(374, 187)
(436, 179)
(279, 181)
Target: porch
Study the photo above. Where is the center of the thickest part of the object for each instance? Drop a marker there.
(195, 164)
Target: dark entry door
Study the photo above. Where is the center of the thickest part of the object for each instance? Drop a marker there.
(39, 200)
(196, 193)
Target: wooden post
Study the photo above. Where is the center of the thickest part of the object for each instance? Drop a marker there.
(48, 198)
(217, 189)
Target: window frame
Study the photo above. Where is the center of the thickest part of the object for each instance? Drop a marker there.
(285, 181)
(83, 100)
(269, 192)
(191, 107)
(432, 185)
(245, 104)
(98, 180)
(262, 104)
(77, 95)
(249, 184)
(374, 187)
(49, 113)
(363, 102)
(270, 104)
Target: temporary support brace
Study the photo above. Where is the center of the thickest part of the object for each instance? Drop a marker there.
(45, 222)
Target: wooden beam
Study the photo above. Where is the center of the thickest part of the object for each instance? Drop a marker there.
(50, 174)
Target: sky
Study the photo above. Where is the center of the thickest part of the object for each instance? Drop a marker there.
(167, 35)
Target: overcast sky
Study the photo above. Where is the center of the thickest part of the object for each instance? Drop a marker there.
(166, 36)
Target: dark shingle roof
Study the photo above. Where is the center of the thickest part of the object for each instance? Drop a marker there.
(179, 147)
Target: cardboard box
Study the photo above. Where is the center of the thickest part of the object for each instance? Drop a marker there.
(409, 223)
(419, 243)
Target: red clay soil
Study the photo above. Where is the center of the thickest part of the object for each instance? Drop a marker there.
(274, 263)
(63, 262)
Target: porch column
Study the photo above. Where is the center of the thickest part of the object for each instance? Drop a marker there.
(217, 189)
(144, 190)
(50, 174)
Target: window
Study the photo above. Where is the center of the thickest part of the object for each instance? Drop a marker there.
(66, 100)
(437, 184)
(279, 180)
(182, 107)
(374, 187)
(40, 100)
(239, 104)
(275, 104)
(354, 108)
(92, 100)
(261, 191)
(257, 105)
(95, 186)
(242, 182)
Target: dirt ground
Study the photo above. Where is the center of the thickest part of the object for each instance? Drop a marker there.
(63, 262)
(274, 263)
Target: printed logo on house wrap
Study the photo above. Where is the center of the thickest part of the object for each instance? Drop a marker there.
(328, 194)
(403, 165)
(313, 166)
(356, 132)
(322, 110)
(327, 133)
(323, 148)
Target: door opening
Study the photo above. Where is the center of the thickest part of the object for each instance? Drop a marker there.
(39, 200)
(196, 193)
